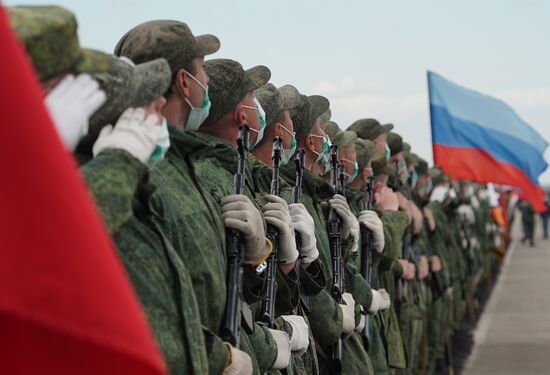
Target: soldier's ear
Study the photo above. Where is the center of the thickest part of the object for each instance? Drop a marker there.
(182, 83)
(278, 130)
(240, 116)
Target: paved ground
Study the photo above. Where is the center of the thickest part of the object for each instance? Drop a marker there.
(513, 335)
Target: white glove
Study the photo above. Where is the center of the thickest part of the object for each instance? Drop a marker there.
(348, 310)
(371, 220)
(439, 193)
(340, 205)
(380, 301)
(300, 338)
(239, 213)
(361, 326)
(283, 349)
(303, 224)
(355, 233)
(71, 104)
(276, 213)
(240, 363)
(133, 133)
(467, 212)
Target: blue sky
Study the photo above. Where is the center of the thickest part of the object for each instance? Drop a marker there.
(368, 57)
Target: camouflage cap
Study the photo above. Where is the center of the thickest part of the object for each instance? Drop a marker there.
(169, 39)
(229, 83)
(364, 150)
(344, 139)
(369, 128)
(331, 128)
(271, 101)
(420, 166)
(291, 98)
(325, 117)
(127, 85)
(406, 147)
(305, 118)
(381, 166)
(395, 142)
(438, 176)
(50, 38)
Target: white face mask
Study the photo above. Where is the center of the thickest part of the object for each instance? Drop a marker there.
(162, 145)
(287, 153)
(261, 116)
(198, 115)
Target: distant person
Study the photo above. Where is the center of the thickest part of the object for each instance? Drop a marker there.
(528, 221)
(545, 215)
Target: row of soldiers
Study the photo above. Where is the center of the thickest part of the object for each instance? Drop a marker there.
(258, 235)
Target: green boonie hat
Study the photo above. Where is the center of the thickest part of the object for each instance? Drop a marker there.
(169, 39)
(369, 128)
(271, 101)
(395, 142)
(50, 38)
(127, 85)
(381, 166)
(291, 98)
(229, 83)
(406, 147)
(325, 117)
(438, 176)
(364, 149)
(303, 121)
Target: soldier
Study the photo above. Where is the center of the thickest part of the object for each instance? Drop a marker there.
(277, 105)
(117, 178)
(394, 224)
(412, 294)
(234, 104)
(183, 208)
(62, 67)
(351, 150)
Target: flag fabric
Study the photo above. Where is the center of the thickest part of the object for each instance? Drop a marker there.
(480, 138)
(66, 305)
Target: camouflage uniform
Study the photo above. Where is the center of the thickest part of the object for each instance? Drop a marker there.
(316, 193)
(118, 182)
(311, 280)
(389, 268)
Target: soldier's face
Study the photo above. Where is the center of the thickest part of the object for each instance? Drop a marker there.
(380, 142)
(348, 156)
(286, 133)
(252, 119)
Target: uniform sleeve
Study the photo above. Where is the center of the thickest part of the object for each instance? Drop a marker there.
(394, 224)
(313, 279)
(112, 178)
(358, 286)
(326, 319)
(264, 347)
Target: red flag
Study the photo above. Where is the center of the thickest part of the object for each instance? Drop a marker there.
(66, 306)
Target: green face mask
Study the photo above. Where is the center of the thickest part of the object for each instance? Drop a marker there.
(414, 178)
(388, 152)
(287, 153)
(405, 174)
(323, 156)
(355, 173)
